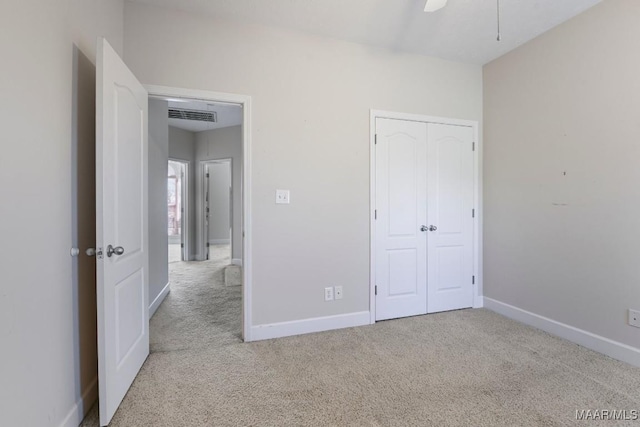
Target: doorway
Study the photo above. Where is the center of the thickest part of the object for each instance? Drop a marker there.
(424, 239)
(209, 128)
(177, 210)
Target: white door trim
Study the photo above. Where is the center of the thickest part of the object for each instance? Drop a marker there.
(245, 102)
(477, 191)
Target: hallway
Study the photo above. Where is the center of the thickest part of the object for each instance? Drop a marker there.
(200, 309)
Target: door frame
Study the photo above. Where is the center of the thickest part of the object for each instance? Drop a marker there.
(245, 102)
(184, 189)
(477, 198)
(203, 229)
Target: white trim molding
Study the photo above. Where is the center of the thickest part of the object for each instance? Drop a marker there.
(82, 406)
(153, 307)
(306, 326)
(245, 102)
(614, 349)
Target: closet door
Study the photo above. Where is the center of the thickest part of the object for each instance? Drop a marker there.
(401, 205)
(450, 202)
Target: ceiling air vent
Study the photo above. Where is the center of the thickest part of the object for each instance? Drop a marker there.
(200, 116)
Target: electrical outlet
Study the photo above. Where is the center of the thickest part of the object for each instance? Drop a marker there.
(282, 197)
(328, 294)
(634, 318)
(338, 292)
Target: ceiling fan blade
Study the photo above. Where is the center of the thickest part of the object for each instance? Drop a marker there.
(433, 5)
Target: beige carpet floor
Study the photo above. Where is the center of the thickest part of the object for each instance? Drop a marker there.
(462, 368)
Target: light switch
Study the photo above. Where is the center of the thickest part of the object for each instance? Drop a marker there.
(282, 197)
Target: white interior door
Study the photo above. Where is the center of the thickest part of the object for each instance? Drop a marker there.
(122, 236)
(401, 209)
(450, 194)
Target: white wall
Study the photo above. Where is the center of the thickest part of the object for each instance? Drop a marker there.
(219, 202)
(565, 246)
(182, 146)
(47, 117)
(311, 98)
(225, 143)
(158, 209)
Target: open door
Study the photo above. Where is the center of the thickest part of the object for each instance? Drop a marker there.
(121, 228)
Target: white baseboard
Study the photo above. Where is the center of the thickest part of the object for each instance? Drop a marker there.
(82, 406)
(236, 261)
(614, 349)
(220, 241)
(156, 302)
(306, 326)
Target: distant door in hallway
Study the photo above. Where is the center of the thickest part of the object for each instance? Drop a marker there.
(121, 228)
(177, 212)
(423, 221)
(218, 205)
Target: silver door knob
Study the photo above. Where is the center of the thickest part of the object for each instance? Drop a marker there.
(429, 228)
(118, 250)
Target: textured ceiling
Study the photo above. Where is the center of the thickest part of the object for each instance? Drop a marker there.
(464, 30)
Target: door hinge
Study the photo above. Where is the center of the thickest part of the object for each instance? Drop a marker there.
(473, 280)
(375, 138)
(376, 289)
(473, 213)
(182, 245)
(473, 146)
(207, 244)
(375, 214)
(207, 174)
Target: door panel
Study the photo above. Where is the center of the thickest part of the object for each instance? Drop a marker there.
(121, 220)
(401, 206)
(403, 268)
(130, 326)
(127, 205)
(450, 194)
